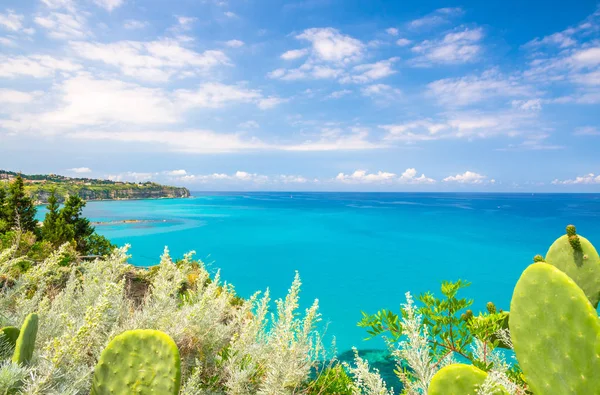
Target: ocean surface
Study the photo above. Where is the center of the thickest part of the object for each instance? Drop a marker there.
(354, 251)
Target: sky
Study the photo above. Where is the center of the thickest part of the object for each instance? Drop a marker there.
(318, 95)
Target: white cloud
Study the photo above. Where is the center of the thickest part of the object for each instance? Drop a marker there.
(392, 31)
(230, 14)
(294, 54)
(85, 100)
(468, 177)
(133, 24)
(154, 60)
(190, 141)
(270, 102)
(381, 91)
(80, 170)
(438, 17)
(234, 43)
(587, 131)
(329, 45)
(460, 46)
(7, 42)
(36, 66)
(63, 26)
(11, 21)
(10, 96)
(421, 130)
(403, 42)
(131, 176)
(369, 72)
(409, 176)
(466, 125)
(109, 5)
(361, 176)
(336, 140)
(560, 39)
(243, 177)
(249, 125)
(528, 105)
(55, 4)
(473, 89)
(216, 95)
(338, 94)
(331, 57)
(588, 179)
(291, 179)
(180, 172)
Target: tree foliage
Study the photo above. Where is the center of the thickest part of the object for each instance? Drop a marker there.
(61, 225)
(19, 210)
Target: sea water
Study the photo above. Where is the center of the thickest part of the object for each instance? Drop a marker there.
(354, 251)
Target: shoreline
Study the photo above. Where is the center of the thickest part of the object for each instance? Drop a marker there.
(39, 203)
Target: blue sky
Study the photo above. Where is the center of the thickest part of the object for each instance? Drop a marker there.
(304, 95)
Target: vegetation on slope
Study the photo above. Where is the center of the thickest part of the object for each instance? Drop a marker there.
(18, 225)
(39, 187)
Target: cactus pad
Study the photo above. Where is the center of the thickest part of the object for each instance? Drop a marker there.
(582, 264)
(555, 332)
(457, 379)
(8, 341)
(26, 341)
(138, 362)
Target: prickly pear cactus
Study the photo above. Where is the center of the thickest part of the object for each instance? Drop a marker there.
(555, 332)
(577, 257)
(8, 341)
(457, 379)
(138, 362)
(26, 341)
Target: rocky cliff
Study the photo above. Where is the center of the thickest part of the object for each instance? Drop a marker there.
(40, 193)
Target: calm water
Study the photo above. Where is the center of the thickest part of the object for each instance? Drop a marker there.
(354, 251)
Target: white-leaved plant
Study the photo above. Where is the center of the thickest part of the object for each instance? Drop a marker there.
(227, 344)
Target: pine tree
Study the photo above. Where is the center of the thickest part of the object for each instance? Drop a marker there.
(19, 208)
(55, 229)
(71, 216)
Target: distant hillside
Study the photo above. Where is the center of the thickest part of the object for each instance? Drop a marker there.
(39, 186)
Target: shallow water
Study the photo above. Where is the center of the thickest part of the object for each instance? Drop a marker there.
(354, 251)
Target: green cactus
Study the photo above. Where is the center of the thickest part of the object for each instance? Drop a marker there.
(457, 379)
(538, 258)
(8, 340)
(579, 260)
(555, 332)
(26, 341)
(138, 362)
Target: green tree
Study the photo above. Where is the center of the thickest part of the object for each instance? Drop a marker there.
(55, 229)
(3, 220)
(19, 208)
(71, 215)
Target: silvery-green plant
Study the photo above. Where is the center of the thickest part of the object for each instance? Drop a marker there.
(227, 345)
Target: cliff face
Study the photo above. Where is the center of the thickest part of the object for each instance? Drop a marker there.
(41, 194)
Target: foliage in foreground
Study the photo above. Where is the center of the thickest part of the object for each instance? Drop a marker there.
(551, 357)
(227, 345)
(209, 341)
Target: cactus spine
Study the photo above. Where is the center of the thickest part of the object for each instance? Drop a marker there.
(578, 259)
(138, 362)
(26, 341)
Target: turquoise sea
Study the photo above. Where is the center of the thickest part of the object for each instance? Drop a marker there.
(354, 251)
